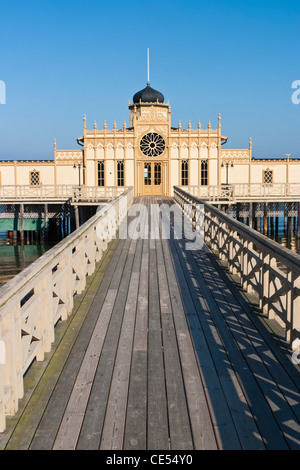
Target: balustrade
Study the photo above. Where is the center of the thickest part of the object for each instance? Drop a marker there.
(263, 267)
(86, 194)
(36, 299)
(246, 192)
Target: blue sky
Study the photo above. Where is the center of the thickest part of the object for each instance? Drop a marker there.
(61, 59)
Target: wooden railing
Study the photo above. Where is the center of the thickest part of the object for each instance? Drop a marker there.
(33, 301)
(94, 194)
(263, 267)
(62, 192)
(246, 192)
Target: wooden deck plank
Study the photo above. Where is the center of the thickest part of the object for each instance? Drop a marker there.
(114, 424)
(261, 412)
(157, 429)
(256, 398)
(135, 433)
(70, 426)
(264, 366)
(67, 435)
(91, 431)
(178, 416)
(157, 415)
(222, 421)
(136, 414)
(201, 425)
(51, 419)
(233, 424)
(141, 329)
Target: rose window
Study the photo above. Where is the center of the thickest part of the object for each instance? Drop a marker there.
(152, 144)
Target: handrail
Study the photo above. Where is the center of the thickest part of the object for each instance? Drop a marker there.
(264, 268)
(34, 300)
(245, 191)
(59, 192)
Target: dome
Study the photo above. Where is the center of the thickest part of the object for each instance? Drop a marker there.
(148, 95)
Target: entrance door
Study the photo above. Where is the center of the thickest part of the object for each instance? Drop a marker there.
(152, 179)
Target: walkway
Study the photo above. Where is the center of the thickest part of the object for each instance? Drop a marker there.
(161, 352)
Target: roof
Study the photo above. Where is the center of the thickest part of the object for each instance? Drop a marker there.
(148, 95)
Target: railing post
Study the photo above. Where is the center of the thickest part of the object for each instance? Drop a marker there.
(293, 312)
(265, 275)
(230, 251)
(245, 266)
(47, 288)
(12, 369)
(233, 193)
(2, 404)
(289, 309)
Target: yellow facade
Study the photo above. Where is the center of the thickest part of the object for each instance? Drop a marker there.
(150, 155)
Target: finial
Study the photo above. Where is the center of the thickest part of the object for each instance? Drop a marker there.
(104, 125)
(189, 124)
(208, 125)
(95, 125)
(199, 124)
(54, 143)
(84, 121)
(124, 125)
(179, 125)
(115, 125)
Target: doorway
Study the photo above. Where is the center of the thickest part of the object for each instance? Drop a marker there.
(152, 178)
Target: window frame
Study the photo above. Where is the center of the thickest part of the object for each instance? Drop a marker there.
(271, 173)
(184, 175)
(120, 173)
(100, 173)
(31, 173)
(204, 172)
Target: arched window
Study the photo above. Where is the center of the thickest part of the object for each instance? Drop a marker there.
(120, 173)
(184, 173)
(100, 173)
(204, 172)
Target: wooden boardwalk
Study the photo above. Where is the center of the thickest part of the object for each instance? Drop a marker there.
(162, 351)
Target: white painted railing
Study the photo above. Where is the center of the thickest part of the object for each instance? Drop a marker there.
(263, 267)
(94, 194)
(33, 301)
(60, 192)
(246, 192)
(41, 192)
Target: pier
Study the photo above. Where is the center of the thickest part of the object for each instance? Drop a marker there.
(138, 343)
(28, 212)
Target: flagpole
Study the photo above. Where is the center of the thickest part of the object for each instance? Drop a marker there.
(148, 81)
